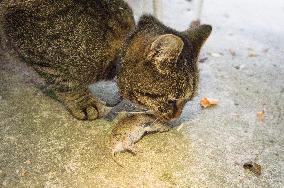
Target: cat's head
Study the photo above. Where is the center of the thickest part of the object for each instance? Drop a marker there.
(159, 66)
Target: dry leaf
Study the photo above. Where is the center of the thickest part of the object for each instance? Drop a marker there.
(260, 116)
(207, 102)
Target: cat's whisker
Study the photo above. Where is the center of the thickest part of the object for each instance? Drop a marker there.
(143, 112)
(137, 112)
(153, 122)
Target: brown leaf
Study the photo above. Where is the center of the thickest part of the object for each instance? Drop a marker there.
(260, 116)
(207, 102)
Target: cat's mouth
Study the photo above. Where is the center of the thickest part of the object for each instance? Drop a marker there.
(164, 111)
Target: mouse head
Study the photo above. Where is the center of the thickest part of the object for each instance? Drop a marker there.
(159, 66)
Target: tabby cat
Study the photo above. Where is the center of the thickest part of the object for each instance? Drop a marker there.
(73, 43)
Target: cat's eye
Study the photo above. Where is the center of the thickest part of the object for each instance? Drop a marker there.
(172, 102)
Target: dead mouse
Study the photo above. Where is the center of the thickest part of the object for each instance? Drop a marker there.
(131, 129)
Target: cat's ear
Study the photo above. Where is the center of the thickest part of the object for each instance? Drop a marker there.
(164, 52)
(198, 35)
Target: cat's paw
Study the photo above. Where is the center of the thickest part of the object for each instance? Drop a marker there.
(83, 106)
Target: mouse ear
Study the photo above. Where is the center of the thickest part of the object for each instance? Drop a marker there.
(164, 52)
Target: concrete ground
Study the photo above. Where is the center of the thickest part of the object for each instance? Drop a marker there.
(41, 145)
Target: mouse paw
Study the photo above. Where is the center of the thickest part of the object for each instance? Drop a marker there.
(123, 147)
(130, 149)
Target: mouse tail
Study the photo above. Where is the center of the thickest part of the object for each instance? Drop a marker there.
(113, 155)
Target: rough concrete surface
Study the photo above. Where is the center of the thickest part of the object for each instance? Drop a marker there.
(41, 145)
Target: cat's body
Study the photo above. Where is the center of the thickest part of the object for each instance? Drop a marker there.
(73, 43)
(70, 43)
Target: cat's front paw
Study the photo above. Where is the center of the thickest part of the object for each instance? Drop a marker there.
(88, 112)
(83, 106)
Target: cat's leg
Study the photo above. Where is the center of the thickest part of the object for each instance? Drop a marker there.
(74, 95)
